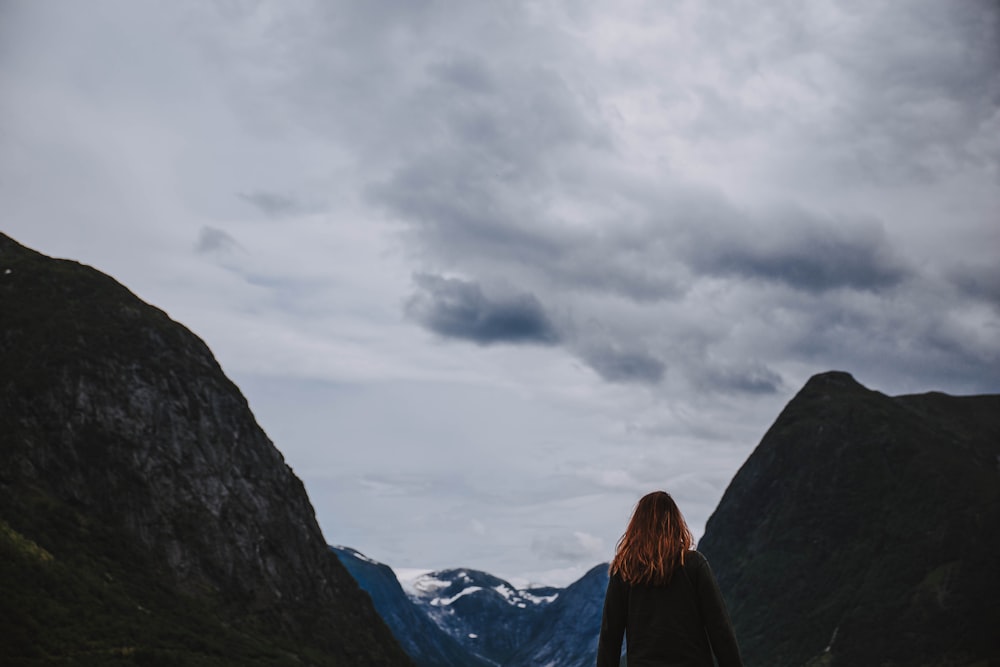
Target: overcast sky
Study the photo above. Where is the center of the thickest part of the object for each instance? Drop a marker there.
(488, 272)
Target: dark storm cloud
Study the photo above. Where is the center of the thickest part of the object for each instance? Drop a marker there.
(456, 308)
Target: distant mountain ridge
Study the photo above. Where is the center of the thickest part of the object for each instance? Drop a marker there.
(144, 515)
(426, 643)
(491, 621)
(487, 614)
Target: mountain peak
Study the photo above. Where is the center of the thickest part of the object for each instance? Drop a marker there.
(835, 378)
(129, 457)
(832, 382)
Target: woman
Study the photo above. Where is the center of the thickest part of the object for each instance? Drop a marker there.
(663, 597)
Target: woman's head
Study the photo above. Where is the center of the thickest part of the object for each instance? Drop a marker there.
(654, 543)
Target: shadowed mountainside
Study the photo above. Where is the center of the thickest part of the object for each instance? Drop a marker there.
(863, 530)
(144, 515)
(566, 632)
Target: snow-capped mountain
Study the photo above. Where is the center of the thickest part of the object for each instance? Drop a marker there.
(469, 618)
(423, 641)
(489, 616)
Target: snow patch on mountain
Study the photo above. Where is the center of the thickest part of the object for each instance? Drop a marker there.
(439, 602)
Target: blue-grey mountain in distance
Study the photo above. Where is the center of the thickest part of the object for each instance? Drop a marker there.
(488, 614)
(426, 643)
(488, 619)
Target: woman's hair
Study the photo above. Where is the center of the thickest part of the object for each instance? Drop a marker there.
(654, 543)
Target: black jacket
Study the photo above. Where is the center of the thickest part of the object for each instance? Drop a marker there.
(677, 625)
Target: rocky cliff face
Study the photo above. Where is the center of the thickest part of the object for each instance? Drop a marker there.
(863, 531)
(123, 446)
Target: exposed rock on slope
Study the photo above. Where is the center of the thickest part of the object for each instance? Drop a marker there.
(143, 510)
(863, 530)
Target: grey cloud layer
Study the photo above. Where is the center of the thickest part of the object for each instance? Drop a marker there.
(500, 151)
(535, 151)
(678, 210)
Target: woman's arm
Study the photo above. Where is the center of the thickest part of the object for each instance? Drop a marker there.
(609, 647)
(716, 618)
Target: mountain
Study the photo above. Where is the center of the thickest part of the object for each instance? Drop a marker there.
(865, 530)
(144, 515)
(565, 634)
(486, 614)
(484, 620)
(426, 643)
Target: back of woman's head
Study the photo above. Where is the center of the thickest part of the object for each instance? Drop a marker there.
(654, 543)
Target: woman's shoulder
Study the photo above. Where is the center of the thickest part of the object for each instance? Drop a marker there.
(694, 559)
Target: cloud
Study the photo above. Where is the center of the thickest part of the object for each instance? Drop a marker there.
(812, 256)
(616, 363)
(572, 547)
(455, 308)
(272, 204)
(978, 281)
(741, 378)
(213, 240)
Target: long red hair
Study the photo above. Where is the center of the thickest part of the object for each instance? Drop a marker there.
(654, 543)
